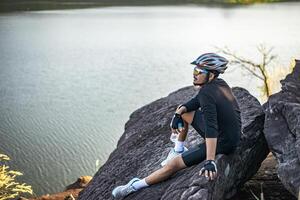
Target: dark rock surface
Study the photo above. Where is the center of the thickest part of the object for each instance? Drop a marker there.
(282, 129)
(265, 181)
(144, 145)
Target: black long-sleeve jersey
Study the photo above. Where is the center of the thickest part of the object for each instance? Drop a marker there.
(220, 109)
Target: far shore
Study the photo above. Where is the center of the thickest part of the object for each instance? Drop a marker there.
(25, 5)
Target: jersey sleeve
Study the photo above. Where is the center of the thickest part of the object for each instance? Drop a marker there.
(192, 104)
(208, 106)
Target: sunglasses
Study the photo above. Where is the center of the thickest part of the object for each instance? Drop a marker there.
(198, 71)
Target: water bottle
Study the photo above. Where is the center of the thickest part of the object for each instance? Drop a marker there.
(180, 126)
(173, 137)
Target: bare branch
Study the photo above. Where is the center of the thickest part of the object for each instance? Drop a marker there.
(250, 71)
(242, 60)
(257, 70)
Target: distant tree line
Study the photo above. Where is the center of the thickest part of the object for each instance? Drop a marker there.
(23, 5)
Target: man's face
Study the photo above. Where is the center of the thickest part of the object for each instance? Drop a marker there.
(199, 76)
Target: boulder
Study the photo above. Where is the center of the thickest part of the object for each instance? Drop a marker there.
(81, 182)
(282, 129)
(145, 144)
(71, 192)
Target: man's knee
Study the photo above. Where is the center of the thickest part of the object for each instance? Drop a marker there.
(178, 107)
(175, 164)
(188, 117)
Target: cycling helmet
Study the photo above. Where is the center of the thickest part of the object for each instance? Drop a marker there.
(211, 62)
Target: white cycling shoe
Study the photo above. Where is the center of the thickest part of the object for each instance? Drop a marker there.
(124, 190)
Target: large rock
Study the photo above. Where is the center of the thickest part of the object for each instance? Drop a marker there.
(282, 129)
(145, 144)
(71, 192)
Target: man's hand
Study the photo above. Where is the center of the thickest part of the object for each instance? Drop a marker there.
(209, 170)
(176, 120)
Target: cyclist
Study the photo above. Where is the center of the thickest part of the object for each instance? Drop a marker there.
(213, 113)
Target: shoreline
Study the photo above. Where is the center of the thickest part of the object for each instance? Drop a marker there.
(19, 6)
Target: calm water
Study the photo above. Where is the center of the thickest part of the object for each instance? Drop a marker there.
(69, 79)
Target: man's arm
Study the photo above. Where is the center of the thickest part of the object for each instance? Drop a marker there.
(181, 109)
(210, 167)
(209, 109)
(191, 105)
(211, 145)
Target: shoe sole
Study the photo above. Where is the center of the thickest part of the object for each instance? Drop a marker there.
(128, 184)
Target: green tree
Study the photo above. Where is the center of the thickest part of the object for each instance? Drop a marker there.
(9, 187)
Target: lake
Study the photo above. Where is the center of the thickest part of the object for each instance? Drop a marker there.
(69, 79)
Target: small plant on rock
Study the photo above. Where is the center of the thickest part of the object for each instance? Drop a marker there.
(9, 187)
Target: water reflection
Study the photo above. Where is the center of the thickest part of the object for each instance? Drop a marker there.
(70, 79)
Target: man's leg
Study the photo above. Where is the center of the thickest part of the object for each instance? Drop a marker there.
(165, 172)
(158, 176)
(179, 143)
(187, 119)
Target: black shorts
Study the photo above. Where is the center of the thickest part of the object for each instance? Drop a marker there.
(197, 154)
